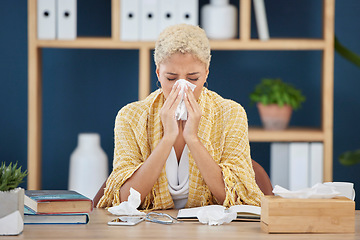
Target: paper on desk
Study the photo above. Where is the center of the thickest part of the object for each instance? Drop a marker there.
(319, 190)
(130, 206)
(181, 111)
(215, 216)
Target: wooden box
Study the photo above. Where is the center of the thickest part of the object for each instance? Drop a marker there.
(282, 215)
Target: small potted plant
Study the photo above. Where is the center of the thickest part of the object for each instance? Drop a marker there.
(11, 199)
(275, 101)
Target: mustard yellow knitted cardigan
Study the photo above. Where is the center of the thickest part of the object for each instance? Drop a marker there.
(223, 130)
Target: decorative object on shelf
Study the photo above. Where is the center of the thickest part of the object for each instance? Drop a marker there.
(11, 199)
(219, 19)
(261, 20)
(88, 165)
(275, 101)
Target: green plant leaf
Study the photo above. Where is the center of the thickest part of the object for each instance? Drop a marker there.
(350, 158)
(346, 53)
(10, 176)
(275, 91)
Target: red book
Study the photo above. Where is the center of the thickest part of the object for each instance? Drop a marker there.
(57, 201)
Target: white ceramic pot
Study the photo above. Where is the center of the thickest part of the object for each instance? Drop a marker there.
(88, 165)
(219, 19)
(12, 212)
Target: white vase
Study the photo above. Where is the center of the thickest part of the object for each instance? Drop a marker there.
(219, 19)
(12, 212)
(88, 165)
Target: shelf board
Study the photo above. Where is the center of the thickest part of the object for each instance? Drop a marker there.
(272, 44)
(257, 134)
(236, 44)
(94, 42)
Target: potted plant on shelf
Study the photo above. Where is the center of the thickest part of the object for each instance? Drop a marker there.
(275, 101)
(11, 199)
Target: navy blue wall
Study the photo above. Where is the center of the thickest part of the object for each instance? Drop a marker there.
(84, 89)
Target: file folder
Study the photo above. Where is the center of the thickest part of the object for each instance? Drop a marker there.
(188, 11)
(167, 14)
(298, 165)
(66, 19)
(46, 19)
(129, 20)
(149, 20)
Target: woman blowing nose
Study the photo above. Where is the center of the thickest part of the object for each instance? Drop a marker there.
(173, 163)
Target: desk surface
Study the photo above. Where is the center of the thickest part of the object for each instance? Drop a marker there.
(97, 228)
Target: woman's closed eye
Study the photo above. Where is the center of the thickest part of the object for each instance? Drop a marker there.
(193, 79)
(171, 79)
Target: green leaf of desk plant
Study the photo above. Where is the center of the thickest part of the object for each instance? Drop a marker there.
(10, 176)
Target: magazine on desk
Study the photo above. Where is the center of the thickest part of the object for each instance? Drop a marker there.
(244, 212)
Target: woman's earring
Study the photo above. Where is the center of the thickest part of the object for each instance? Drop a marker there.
(206, 84)
(158, 84)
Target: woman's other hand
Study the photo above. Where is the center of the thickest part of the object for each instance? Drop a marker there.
(191, 125)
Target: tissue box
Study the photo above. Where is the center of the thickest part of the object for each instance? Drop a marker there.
(284, 215)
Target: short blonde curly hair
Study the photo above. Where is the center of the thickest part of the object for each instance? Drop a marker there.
(183, 38)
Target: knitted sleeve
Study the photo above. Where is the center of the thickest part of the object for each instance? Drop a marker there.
(235, 162)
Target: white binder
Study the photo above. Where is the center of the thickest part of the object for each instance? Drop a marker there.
(66, 19)
(167, 14)
(149, 19)
(129, 20)
(46, 19)
(316, 163)
(279, 164)
(188, 11)
(298, 165)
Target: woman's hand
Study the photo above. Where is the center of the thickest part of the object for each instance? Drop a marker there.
(167, 114)
(191, 125)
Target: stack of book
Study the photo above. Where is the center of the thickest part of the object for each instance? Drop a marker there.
(56, 207)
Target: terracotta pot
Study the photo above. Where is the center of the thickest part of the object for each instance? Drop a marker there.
(274, 117)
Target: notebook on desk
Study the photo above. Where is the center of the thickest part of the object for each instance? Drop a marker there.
(244, 212)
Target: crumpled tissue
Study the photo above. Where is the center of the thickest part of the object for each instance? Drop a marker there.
(181, 111)
(130, 206)
(319, 190)
(215, 216)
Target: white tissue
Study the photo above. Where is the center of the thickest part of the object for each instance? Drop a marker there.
(130, 206)
(215, 216)
(319, 190)
(181, 111)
